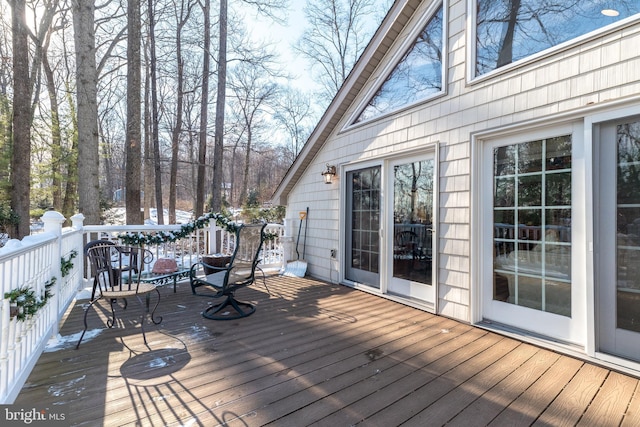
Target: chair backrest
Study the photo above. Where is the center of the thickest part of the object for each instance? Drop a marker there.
(100, 258)
(249, 242)
(246, 255)
(115, 267)
(131, 257)
(406, 238)
(97, 243)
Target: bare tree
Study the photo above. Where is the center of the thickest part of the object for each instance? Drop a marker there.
(69, 202)
(21, 153)
(334, 39)
(134, 137)
(252, 96)
(87, 108)
(204, 104)
(57, 157)
(293, 112)
(270, 8)
(182, 14)
(154, 113)
(218, 147)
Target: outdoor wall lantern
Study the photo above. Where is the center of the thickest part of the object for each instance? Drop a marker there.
(329, 174)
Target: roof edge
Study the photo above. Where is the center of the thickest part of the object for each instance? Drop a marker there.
(399, 14)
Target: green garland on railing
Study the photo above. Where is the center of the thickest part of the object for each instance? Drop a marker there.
(67, 264)
(26, 302)
(159, 237)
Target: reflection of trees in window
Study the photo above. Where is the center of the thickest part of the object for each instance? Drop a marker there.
(509, 30)
(628, 177)
(413, 192)
(416, 76)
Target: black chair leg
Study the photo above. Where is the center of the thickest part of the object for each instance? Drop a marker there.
(264, 279)
(143, 315)
(112, 321)
(86, 312)
(243, 309)
(155, 322)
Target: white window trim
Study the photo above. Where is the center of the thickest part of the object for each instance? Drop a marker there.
(472, 78)
(571, 330)
(344, 169)
(393, 62)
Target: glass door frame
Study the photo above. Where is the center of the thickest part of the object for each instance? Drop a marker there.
(409, 286)
(344, 196)
(386, 257)
(569, 330)
(609, 342)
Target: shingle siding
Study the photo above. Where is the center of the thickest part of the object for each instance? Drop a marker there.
(590, 72)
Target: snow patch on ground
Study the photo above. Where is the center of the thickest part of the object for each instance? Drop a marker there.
(60, 342)
(116, 216)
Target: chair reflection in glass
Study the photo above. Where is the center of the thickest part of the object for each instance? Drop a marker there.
(116, 271)
(412, 253)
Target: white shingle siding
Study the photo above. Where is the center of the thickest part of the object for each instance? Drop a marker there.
(591, 72)
(453, 263)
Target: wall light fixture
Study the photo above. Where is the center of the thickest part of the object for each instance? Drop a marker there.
(329, 173)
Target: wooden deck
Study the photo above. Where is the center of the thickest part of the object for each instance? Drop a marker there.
(317, 354)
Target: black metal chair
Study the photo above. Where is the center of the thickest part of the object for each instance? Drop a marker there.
(130, 265)
(406, 245)
(226, 280)
(116, 271)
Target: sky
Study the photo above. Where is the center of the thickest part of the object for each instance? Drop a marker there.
(283, 37)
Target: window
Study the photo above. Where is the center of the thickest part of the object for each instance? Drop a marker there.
(509, 30)
(417, 76)
(532, 224)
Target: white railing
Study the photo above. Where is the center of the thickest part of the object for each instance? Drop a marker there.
(35, 261)
(28, 266)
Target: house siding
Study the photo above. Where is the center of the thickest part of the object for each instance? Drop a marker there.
(588, 73)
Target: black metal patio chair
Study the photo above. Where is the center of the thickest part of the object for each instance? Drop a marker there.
(116, 271)
(226, 280)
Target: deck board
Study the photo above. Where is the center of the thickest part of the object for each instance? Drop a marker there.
(316, 354)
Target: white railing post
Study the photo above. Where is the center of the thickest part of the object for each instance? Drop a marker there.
(213, 238)
(77, 221)
(5, 322)
(53, 223)
(287, 241)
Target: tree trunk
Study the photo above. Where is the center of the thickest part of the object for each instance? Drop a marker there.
(204, 104)
(148, 159)
(21, 155)
(154, 116)
(177, 130)
(56, 137)
(218, 148)
(133, 138)
(506, 49)
(245, 172)
(87, 104)
(71, 190)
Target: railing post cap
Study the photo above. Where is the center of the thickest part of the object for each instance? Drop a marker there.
(77, 220)
(53, 216)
